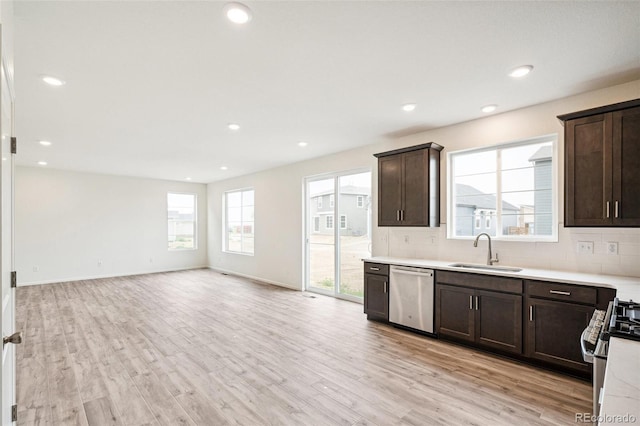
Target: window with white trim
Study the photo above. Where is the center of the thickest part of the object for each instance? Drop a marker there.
(507, 191)
(239, 209)
(316, 224)
(343, 221)
(329, 221)
(181, 221)
(332, 201)
(360, 201)
(319, 201)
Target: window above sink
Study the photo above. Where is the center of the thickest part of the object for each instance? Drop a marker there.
(508, 191)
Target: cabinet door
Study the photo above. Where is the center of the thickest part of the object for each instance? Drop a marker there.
(499, 320)
(588, 163)
(626, 170)
(554, 330)
(415, 207)
(389, 190)
(376, 296)
(455, 312)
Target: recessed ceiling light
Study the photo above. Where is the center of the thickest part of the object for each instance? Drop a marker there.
(302, 144)
(53, 81)
(44, 143)
(521, 71)
(237, 13)
(408, 107)
(42, 163)
(233, 126)
(224, 168)
(489, 108)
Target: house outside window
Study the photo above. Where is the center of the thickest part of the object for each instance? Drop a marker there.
(181, 221)
(319, 202)
(360, 201)
(507, 191)
(332, 201)
(239, 207)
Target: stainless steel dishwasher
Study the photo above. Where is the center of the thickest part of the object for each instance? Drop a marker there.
(411, 297)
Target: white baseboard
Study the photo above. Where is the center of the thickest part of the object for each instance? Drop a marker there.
(251, 277)
(96, 277)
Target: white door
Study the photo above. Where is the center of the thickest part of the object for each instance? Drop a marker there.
(6, 248)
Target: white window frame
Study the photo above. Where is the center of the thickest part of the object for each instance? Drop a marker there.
(451, 226)
(326, 221)
(360, 201)
(332, 201)
(343, 216)
(225, 224)
(195, 220)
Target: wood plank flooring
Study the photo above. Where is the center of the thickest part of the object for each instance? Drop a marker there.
(199, 347)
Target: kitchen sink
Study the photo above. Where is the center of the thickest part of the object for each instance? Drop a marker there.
(485, 267)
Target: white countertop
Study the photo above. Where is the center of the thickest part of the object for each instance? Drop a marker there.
(628, 288)
(622, 378)
(621, 397)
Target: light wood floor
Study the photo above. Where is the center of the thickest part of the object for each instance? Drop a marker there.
(198, 347)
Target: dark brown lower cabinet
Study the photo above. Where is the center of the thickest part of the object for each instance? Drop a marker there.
(553, 332)
(499, 320)
(376, 296)
(487, 318)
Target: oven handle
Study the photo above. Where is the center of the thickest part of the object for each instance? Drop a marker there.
(586, 355)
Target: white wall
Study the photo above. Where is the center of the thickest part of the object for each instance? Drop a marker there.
(279, 204)
(67, 222)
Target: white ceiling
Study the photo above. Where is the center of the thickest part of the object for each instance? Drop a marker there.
(151, 86)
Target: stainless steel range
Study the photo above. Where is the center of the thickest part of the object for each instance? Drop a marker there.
(621, 319)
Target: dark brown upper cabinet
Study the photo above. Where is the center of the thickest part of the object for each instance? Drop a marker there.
(602, 177)
(409, 186)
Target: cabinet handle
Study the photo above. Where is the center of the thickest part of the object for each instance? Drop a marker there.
(470, 302)
(607, 210)
(615, 208)
(398, 215)
(476, 303)
(385, 286)
(562, 293)
(374, 269)
(530, 312)
(402, 215)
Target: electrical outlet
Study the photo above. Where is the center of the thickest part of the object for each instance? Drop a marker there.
(585, 247)
(406, 239)
(612, 247)
(99, 262)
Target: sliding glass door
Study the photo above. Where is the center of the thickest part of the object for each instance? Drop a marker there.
(338, 232)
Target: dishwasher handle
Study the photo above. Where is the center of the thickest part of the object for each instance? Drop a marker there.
(415, 272)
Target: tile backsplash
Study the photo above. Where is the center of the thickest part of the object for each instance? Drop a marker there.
(432, 243)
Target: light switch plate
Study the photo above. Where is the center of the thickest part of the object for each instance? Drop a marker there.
(612, 247)
(585, 247)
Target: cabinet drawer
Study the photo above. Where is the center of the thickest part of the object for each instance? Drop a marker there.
(480, 281)
(376, 268)
(565, 292)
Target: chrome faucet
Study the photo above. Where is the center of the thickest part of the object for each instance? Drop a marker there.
(490, 261)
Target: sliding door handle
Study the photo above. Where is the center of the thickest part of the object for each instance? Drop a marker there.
(15, 338)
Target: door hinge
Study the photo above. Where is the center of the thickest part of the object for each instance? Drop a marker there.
(14, 413)
(14, 279)
(14, 145)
